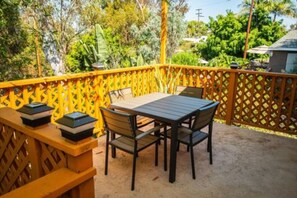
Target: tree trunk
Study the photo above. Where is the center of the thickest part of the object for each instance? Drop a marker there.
(52, 54)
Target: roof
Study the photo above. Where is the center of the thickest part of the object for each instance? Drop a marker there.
(286, 43)
(262, 49)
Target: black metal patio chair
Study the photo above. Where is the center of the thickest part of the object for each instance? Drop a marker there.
(194, 135)
(129, 138)
(124, 94)
(195, 92)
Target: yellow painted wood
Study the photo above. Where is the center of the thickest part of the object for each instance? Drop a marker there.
(48, 134)
(37, 93)
(231, 95)
(163, 31)
(70, 96)
(35, 151)
(54, 184)
(61, 96)
(90, 93)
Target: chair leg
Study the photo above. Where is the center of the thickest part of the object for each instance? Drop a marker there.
(193, 163)
(177, 147)
(106, 154)
(133, 170)
(192, 158)
(165, 148)
(190, 122)
(209, 142)
(113, 149)
(156, 153)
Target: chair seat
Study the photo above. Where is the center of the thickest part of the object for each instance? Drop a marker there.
(183, 137)
(127, 144)
(143, 121)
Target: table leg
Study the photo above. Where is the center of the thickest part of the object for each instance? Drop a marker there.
(172, 168)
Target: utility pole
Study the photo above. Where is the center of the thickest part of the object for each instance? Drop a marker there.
(199, 14)
(248, 30)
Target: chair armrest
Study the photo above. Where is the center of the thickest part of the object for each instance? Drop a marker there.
(185, 130)
(143, 134)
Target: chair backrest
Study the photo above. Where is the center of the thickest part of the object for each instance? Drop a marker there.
(120, 94)
(196, 92)
(204, 116)
(118, 122)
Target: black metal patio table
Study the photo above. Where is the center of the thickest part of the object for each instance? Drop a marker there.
(167, 108)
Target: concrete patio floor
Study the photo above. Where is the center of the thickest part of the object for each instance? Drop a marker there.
(245, 164)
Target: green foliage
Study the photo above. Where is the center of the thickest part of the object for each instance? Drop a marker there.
(176, 30)
(166, 84)
(185, 58)
(224, 60)
(75, 58)
(147, 38)
(228, 34)
(98, 52)
(13, 42)
(196, 29)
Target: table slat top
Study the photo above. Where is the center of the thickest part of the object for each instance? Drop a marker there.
(163, 107)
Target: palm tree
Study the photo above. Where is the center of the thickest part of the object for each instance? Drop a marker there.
(275, 7)
(281, 8)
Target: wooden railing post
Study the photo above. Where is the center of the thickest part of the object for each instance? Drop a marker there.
(34, 155)
(231, 96)
(79, 164)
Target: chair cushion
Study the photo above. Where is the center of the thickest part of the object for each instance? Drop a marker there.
(127, 144)
(183, 137)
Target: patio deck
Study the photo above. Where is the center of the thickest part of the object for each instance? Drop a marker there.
(246, 163)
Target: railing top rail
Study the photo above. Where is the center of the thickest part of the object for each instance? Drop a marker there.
(48, 134)
(66, 77)
(234, 70)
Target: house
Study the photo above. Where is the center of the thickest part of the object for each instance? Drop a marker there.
(196, 40)
(284, 53)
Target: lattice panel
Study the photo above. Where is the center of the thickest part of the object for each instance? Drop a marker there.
(220, 93)
(214, 82)
(266, 101)
(51, 158)
(14, 161)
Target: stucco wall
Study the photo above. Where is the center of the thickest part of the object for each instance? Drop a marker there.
(277, 61)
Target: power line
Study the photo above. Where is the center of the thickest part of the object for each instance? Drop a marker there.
(199, 14)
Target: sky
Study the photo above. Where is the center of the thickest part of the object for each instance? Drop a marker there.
(215, 7)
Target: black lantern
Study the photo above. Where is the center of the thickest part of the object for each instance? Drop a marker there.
(234, 65)
(76, 126)
(35, 114)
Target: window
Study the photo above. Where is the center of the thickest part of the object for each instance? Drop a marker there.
(291, 61)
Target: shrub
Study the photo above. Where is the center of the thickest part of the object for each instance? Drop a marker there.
(185, 58)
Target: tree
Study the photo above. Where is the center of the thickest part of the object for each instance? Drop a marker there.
(196, 29)
(281, 8)
(228, 34)
(59, 22)
(91, 48)
(13, 41)
(274, 7)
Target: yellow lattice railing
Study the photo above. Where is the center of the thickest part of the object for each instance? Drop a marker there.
(84, 92)
(261, 99)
